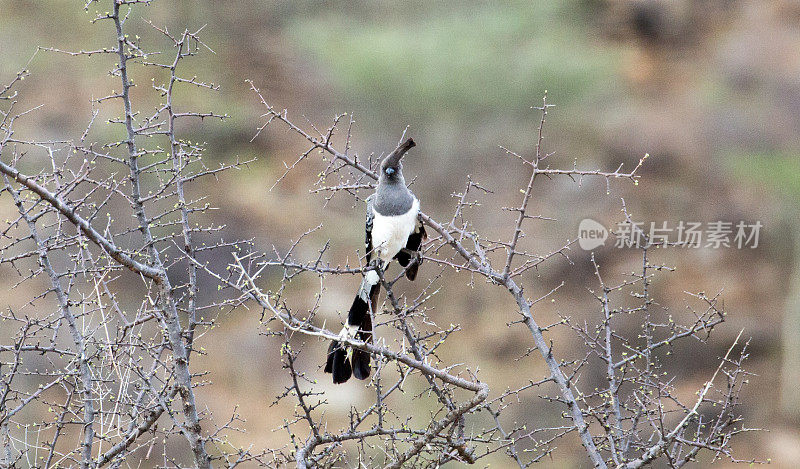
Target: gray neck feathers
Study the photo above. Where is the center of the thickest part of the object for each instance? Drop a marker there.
(392, 197)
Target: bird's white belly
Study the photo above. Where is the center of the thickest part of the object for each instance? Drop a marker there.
(390, 233)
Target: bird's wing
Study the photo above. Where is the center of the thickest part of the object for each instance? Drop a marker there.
(368, 227)
(413, 245)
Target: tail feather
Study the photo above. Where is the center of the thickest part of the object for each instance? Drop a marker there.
(359, 312)
(337, 363)
(329, 360)
(360, 309)
(360, 357)
(359, 315)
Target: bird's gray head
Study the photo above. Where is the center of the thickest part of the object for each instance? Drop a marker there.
(391, 167)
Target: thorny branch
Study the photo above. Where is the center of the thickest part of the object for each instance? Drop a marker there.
(122, 386)
(604, 447)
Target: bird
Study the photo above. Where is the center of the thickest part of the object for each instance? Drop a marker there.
(393, 232)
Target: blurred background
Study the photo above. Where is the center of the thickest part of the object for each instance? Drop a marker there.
(709, 88)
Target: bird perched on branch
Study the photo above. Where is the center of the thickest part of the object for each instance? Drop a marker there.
(393, 231)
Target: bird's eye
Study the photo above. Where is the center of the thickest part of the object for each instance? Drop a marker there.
(389, 171)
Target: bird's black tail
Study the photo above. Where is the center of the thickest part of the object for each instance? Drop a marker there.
(359, 317)
(337, 362)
